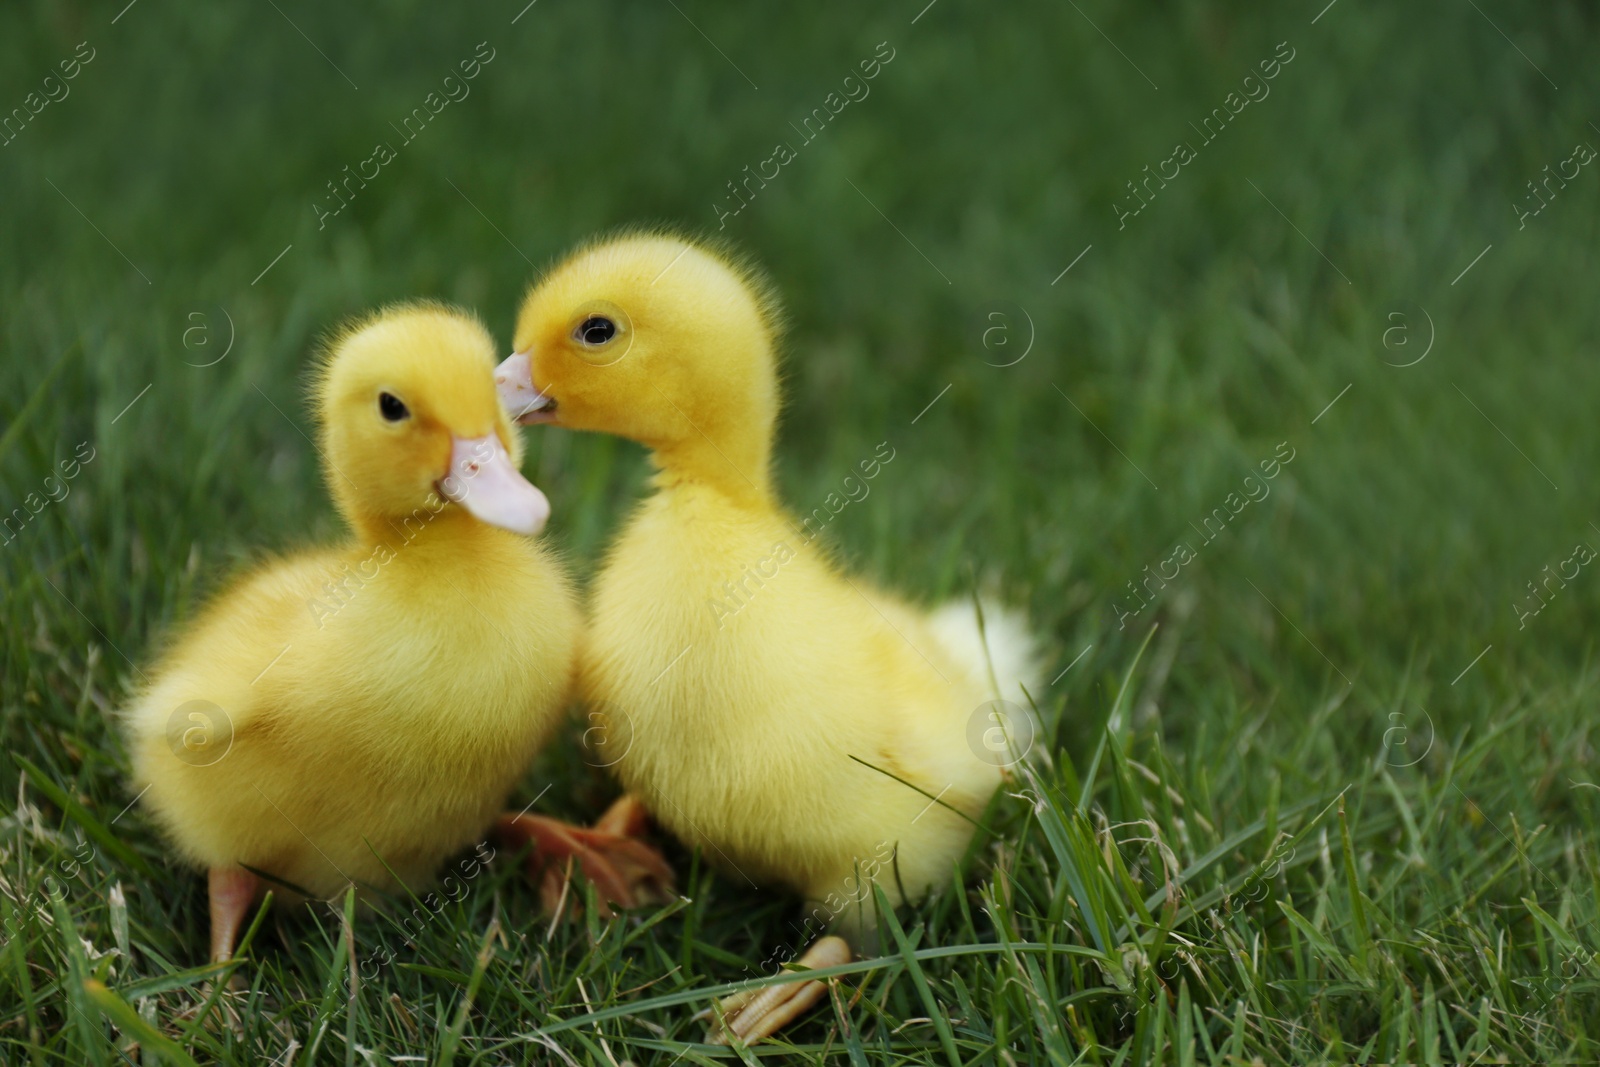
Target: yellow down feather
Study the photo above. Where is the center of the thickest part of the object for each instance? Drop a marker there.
(746, 731)
(371, 703)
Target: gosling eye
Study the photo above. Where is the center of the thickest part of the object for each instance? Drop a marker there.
(595, 331)
(392, 408)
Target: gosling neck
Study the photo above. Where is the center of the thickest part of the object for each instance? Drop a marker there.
(736, 465)
(429, 521)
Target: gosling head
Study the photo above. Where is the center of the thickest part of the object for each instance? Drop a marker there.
(408, 408)
(656, 339)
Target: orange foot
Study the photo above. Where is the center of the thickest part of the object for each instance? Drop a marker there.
(625, 871)
(756, 1015)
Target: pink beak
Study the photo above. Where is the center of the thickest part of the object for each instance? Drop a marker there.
(483, 480)
(523, 401)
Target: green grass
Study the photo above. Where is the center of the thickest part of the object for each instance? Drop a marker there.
(1339, 809)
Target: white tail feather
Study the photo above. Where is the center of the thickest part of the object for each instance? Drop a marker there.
(1005, 645)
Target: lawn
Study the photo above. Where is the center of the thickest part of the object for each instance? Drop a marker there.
(1254, 354)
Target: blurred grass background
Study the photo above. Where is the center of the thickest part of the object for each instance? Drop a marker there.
(1446, 911)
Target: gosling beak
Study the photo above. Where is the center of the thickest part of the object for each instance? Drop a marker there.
(526, 405)
(483, 480)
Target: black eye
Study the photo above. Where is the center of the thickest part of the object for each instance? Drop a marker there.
(595, 330)
(391, 407)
